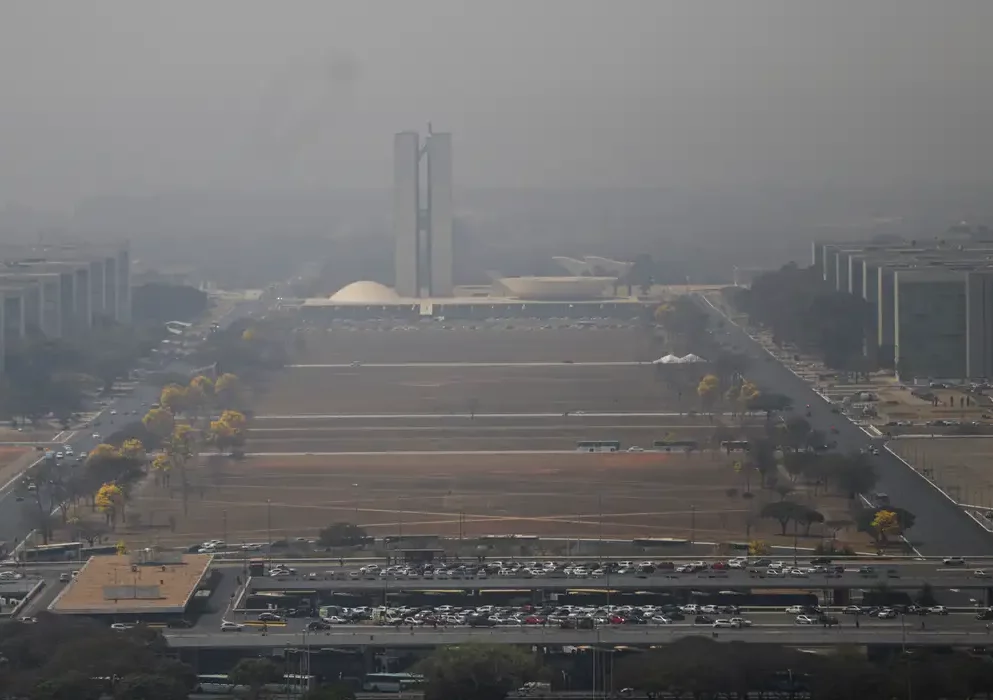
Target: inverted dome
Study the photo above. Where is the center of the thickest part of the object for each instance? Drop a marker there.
(556, 288)
(365, 292)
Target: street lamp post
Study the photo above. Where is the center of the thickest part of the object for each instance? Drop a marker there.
(794, 541)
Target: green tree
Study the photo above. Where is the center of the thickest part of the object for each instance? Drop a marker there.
(769, 403)
(338, 691)
(255, 674)
(148, 686)
(477, 671)
(853, 474)
(784, 512)
(808, 517)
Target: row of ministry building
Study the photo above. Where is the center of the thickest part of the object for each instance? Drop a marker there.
(61, 290)
(932, 303)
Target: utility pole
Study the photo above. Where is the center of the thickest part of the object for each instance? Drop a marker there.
(268, 526)
(794, 541)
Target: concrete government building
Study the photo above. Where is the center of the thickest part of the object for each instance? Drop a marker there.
(932, 302)
(60, 290)
(424, 279)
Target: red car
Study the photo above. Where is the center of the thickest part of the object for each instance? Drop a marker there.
(719, 565)
(534, 620)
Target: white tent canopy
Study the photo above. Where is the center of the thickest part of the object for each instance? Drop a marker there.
(691, 359)
(667, 360)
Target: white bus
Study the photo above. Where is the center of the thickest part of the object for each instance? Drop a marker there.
(598, 446)
(391, 682)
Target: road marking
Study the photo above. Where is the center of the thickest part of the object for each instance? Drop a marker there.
(448, 416)
(453, 428)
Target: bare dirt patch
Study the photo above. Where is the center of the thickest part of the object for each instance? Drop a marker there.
(551, 495)
(481, 345)
(459, 389)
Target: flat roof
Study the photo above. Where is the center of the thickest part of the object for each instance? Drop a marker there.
(152, 588)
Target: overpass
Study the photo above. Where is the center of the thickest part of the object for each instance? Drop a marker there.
(654, 583)
(618, 635)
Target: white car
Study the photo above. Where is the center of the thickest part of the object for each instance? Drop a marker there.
(231, 626)
(120, 626)
(980, 573)
(794, 610)
(635, 448)
(804, 620)
(95, 436)
(740, 622)
(723, 623)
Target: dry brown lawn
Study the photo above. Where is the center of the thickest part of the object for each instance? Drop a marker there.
(553, 495)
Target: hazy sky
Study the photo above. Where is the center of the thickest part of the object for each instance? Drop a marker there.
(105, 97)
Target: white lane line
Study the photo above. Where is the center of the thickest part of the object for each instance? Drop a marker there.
(448, 416)
(481, 428)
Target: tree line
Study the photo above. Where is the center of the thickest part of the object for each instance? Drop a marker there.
(702, 668)
(105, 479)
(799, 307)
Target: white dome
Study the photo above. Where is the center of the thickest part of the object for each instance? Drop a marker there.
(365, 292)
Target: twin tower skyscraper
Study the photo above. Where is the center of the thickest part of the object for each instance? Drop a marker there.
(422, 221)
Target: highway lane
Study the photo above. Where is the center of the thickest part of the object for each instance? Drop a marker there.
(626, 583)
(941, 529)
(627, 635)
(16, 517)
(768, 620)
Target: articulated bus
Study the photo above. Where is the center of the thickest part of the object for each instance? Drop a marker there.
(598, 446)
(391, 682)
(220, 684)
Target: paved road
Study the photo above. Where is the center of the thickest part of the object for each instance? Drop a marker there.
(617, 635)
(941, 529)
(770, 620)
(15, 518)
(629, 583)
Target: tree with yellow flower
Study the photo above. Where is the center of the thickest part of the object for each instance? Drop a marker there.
(109, 500)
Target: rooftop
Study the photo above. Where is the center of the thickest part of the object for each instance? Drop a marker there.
(122, 584)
